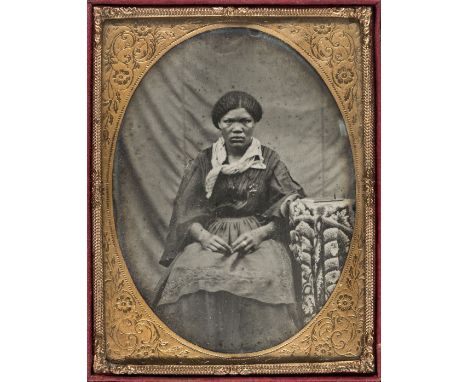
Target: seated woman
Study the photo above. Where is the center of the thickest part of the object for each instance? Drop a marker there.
(229, 287)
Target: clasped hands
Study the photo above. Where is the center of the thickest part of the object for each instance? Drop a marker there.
(245, 243)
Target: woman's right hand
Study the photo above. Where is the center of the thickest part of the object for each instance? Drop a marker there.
(213, 243)
(208, 240)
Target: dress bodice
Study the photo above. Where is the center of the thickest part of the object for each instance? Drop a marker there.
(238, 194)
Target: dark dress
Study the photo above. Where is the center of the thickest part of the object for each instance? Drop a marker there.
(229, 303)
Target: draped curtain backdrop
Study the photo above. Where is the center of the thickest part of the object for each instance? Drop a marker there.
(168, 121)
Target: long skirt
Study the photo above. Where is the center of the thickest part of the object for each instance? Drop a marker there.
(230, 304)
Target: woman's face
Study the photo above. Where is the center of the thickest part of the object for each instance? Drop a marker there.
(237, 127)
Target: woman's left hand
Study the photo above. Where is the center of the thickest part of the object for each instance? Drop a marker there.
(249, 241)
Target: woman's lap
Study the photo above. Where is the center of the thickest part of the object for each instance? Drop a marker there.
(264, 275)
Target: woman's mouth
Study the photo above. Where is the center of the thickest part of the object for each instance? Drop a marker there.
(237, 140)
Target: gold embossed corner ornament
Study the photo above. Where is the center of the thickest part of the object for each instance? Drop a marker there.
(128, 337)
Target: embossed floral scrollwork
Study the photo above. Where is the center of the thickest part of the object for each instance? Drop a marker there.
(126, 53)
(139, 337)
(332, 46)
(131, 334)
(336, 50)
(123, 56)
(333, 334)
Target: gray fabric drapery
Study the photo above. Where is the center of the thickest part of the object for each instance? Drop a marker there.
(168, 122)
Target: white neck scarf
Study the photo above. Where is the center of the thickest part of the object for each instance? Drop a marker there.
(252, 158)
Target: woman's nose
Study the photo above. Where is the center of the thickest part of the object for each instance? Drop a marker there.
(237, 127)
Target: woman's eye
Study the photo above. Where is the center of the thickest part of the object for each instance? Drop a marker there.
(244, 121)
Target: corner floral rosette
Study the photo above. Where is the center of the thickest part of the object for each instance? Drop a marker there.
(344, 302)
(142, 30)
(121, 76)
(322, 29)
(146, 351)
(323, 349)
(345, 75)
(124, 303)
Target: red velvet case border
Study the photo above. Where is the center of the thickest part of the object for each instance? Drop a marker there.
(376, 4)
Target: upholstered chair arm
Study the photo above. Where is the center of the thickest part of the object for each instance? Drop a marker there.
(320, 234)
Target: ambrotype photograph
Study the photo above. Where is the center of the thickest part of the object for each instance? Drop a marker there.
(233, 197)
(220, 139)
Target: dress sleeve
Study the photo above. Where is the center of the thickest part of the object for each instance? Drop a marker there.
(282, 188)
(190, 206)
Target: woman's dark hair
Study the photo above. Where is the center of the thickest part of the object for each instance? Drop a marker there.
(235, 100)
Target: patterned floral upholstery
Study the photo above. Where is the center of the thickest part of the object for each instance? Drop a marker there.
(320, 237)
